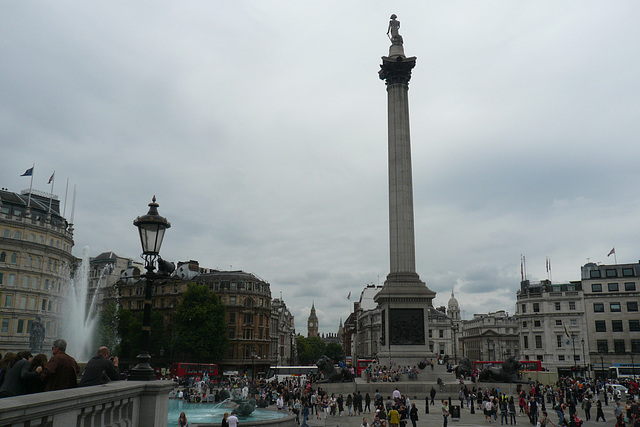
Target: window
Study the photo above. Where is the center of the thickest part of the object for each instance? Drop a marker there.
(632, 305)
(557, 306)
(634, 325)
(3, 257)
(573, 322)
(611, 272)
(630, 286)
(594, 274)
(44, 305)
(536, 323)
(614, 307)
(601, 326)
(525, 341)
(441, 333)
(248, 318)
(618, 346)
(635, 346)
(576, 357)
(538, 341)
(598, 307)
(524, 324)
(11, 281)
(1, 278)
(540, 358)
(524, 308)
(231, 332)
(627, 272)
(8, 301)
(14, 258)
(572, 305)
(596, 287)
(559, 341)
(613, 287)
(232, 300)
(16, 235)
(536, 307)
(558, 322)
(232, 318)
(20, 326)
(616, 326)
(5, 326)
(561, 357)
(603, 346)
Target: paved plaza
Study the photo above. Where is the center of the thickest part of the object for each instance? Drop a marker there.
(434, 417)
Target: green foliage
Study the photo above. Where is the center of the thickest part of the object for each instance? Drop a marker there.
(200, 326)
(309, 349)
(130, 332)
(334, 352)
(107, 327)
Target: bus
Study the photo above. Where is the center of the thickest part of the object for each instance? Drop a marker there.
(281, 372)
(185, 370)
(624, 371)
(362, 365)
(527, 365)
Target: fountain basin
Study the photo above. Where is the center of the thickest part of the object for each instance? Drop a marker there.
(210, 414)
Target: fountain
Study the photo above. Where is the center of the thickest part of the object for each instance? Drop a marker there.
(80, 317)
(210, 413)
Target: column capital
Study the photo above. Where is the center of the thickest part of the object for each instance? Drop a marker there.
(396, 69)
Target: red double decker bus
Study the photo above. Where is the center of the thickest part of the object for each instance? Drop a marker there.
(363, 364)
(527, 365)
(182, 370)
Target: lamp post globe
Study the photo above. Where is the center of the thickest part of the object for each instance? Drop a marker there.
(151, 228)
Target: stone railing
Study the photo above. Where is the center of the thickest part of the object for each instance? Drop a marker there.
(117, 404)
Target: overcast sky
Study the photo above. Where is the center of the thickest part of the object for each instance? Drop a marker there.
(261, 128)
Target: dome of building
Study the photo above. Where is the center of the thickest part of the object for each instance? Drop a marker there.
(453, 303)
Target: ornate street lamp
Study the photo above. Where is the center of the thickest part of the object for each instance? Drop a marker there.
(573, 341)
(151, 227)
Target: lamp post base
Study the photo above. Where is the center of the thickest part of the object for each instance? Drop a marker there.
(143, 370)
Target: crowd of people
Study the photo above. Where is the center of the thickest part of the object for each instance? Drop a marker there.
(22, 373)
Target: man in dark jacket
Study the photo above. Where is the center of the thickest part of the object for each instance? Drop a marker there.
(62, 370)
(100, 369)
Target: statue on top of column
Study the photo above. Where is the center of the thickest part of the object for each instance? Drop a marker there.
(394, 26)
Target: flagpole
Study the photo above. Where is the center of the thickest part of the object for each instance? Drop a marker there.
(33, 169)
(53, 181)
(66, 191)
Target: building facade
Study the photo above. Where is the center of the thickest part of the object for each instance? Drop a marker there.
(283, 335)
(35, 264)
(553, 326)
(611, 298)
(248, 302)
(491, 336)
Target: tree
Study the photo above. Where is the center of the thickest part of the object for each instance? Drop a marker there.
(107, 327)
(309, 349)
(200, 325)
(130, 332)
(334, 352)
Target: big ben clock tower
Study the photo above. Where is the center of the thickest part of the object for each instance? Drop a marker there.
(312, 323)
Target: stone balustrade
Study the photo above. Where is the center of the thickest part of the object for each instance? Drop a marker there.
(116, 404)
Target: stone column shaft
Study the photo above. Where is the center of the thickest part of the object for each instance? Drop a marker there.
(401, 227)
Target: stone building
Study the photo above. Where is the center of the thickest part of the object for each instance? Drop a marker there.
(35, 261)
(283, 335)
(248, 302)
(491, 336)
(611, 298)
(551, 318)
(104, 271)
(368, 326)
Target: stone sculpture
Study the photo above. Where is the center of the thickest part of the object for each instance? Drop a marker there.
(506, 372)
(332, 374)
(36, 337)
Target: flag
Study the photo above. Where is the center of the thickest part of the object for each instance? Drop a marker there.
(612, 251)
(566, 332)
(51, 179)
(28, 172)
(349, 296)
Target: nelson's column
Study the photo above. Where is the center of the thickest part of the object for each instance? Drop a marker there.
(404, 299)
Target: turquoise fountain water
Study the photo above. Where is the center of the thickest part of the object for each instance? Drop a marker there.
(213, 412)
